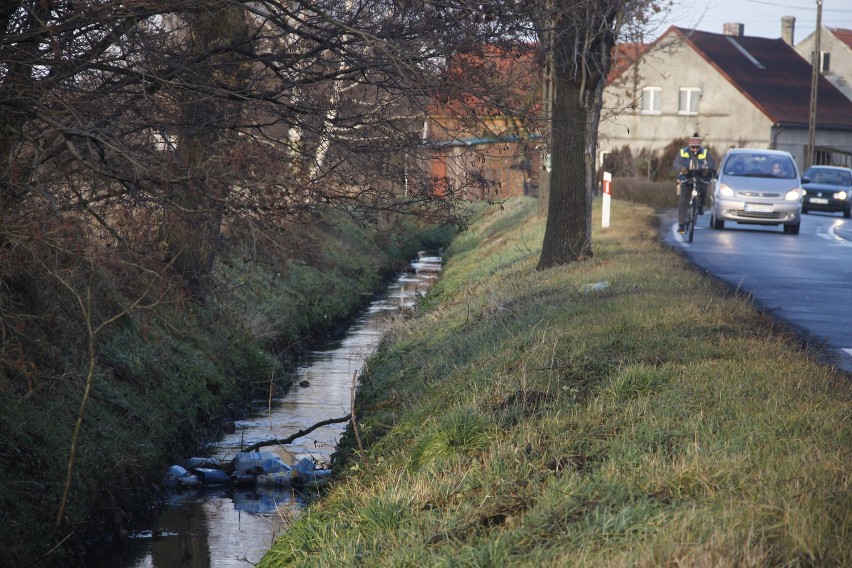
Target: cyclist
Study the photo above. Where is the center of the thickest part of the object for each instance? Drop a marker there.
(693, 157)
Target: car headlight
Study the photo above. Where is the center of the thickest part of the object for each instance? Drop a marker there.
(793, 195)
(840, 195)
(725, 191)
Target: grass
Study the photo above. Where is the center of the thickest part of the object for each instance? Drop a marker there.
(167, 379)
(534, 419)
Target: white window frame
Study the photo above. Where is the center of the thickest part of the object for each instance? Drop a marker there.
(649, 102)
(687, 100)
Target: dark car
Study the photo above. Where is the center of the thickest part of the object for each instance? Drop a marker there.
(827, 188)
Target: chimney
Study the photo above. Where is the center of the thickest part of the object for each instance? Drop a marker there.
(788, 26)
(735, 30)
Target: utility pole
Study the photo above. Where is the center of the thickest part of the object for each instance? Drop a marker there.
(816, 61)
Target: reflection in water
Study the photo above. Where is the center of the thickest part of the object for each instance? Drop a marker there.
(224, 527)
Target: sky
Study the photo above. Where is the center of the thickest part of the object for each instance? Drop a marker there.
(759, 17)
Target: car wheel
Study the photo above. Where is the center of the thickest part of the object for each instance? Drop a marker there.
(804, 209)
(847, 212)
(717, 224)
(792, 229)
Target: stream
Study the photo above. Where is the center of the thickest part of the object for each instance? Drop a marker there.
(224, 526)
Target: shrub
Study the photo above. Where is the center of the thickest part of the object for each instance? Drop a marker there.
(620, 162)
(656, 194)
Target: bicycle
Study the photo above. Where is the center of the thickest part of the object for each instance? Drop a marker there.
(692, 211)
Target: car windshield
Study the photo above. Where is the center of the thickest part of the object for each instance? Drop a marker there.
(759, 165)
(829, 177)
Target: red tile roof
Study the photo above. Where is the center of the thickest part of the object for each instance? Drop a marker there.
(843, 35)
(773, 76)
(623, 57)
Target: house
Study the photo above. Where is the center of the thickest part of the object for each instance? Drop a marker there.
(735, 90)
(507, 164)
(835, 57)
(472, 142)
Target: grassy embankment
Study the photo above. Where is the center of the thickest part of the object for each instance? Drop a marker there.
(165, 378)
(534, 419)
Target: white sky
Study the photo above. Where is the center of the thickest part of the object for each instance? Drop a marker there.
(760, 17)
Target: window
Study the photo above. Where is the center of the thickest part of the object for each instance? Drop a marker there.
(650, 103)
(824, 62)
(688, 100)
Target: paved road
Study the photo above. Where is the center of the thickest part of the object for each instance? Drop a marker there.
(804, 280)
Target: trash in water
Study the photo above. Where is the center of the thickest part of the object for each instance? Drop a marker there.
(250, 469)
(189, 482)
(204, 462)
(258, 462)
(277, 478)
(211, 476)
(173, 474)
(244, 480)
(305, 472)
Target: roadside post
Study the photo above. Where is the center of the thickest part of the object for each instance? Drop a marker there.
(607, 196)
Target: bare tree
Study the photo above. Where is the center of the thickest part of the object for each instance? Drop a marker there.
(219, 63)
(197, 114)
(152, 126)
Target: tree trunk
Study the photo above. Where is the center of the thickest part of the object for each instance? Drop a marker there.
(568, 233)
(17, 89)
(547, 112)
(580, 52)
(194, 208)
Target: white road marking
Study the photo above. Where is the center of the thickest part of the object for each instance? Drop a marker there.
(830, 234)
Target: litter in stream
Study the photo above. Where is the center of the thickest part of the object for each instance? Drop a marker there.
(246, 469)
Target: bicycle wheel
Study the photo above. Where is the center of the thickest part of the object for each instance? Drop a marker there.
(692, 216)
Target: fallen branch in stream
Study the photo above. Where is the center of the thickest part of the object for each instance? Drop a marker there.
(290, 439)
(297, 435)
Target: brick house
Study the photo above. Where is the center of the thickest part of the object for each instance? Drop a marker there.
(475, 137)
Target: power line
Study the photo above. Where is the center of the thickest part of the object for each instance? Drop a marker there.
(794, 7)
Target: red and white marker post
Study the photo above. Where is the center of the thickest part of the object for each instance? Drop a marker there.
(607, 196)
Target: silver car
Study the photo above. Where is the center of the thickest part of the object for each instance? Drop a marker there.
(757, 187)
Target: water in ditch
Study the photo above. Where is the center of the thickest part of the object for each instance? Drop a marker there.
(225, 527)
